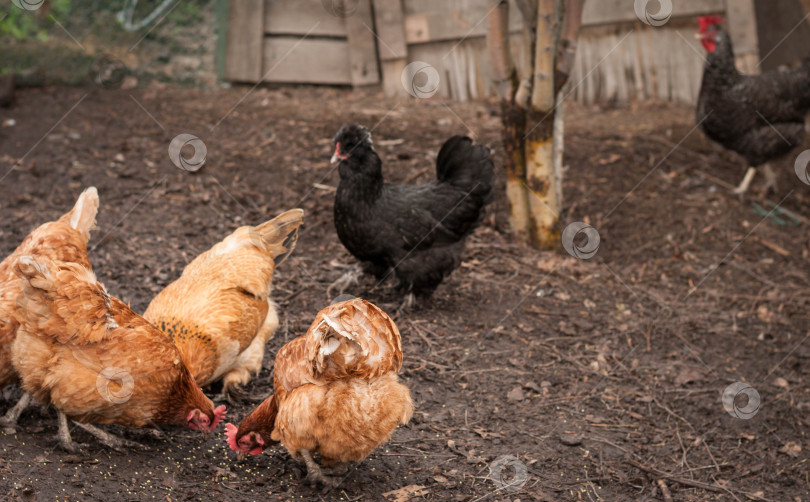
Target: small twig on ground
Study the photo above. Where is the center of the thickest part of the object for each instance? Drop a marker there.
(664, 490)
(683, 481)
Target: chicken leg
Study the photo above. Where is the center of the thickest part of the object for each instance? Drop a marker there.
(65, 441)
(9, 421)
(746, 182)
(314, 473)
(407, 304)
(349, 278)
(770, 177)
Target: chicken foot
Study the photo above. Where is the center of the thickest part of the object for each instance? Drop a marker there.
(407, 304)
(111, 440)
(67, 443)
(315, 474)
(349, 278)
(236, 394)
(746, 182)
(340, 469)
(9, 421)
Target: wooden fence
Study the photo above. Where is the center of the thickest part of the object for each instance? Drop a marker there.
(619, 57)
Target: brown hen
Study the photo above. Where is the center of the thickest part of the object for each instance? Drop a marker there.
(95, 360)
(219, 311)
(336, 391)
(65, 240)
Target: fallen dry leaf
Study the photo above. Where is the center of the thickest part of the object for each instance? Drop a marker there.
(688, 375)
(764, 315)
(515, 394)
(405, 493)
(791, 449)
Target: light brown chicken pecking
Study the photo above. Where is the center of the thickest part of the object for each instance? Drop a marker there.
(219, 311)
(65, 240)
(95, 360)
(336, 391)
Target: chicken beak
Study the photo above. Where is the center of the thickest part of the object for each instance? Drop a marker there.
(240, 455)
(206, 434)
(698, 36)
(335, 158)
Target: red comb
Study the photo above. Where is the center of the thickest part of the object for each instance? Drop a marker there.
(230, 433)
(704, 22)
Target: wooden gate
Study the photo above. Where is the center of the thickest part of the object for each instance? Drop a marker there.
(300, 41)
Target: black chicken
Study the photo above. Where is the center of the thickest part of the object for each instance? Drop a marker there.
(760, 117)
(416, 232)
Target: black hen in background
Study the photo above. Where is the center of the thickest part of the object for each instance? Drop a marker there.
(416, 230)
(761, 117)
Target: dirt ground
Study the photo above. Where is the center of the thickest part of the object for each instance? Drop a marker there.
(601, 377)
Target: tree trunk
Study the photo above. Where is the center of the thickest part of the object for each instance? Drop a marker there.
(544, 206)
(531, 111)
(513, 117)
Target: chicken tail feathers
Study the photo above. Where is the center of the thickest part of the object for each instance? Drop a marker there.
(280, 234)
(353, 339)
(83, 215)
(467, 166)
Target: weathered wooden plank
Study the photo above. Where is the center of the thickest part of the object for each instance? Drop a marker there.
(742, 26)
(427, 21)
(306, 61)
(362, 49)
(243, 46)
(390, 26)
(298, 17)
(617, 11)
(783, 39)
(392, 76)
